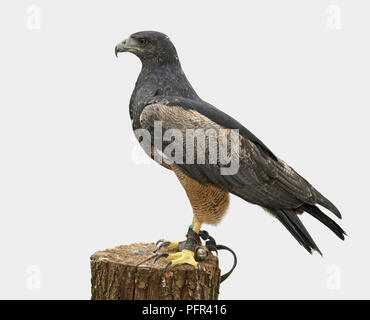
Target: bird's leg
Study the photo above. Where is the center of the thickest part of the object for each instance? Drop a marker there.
(177, 245)
(186, 248)
(196, 225)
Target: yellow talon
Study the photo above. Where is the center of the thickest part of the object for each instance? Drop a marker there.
(173, 246)
(184, 256)
(170, 245)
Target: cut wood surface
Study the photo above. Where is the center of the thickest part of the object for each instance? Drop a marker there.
(128, 272)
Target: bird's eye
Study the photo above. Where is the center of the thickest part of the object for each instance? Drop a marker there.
(142, 42)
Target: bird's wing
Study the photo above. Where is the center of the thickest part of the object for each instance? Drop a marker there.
(261, 178)
(214, 114)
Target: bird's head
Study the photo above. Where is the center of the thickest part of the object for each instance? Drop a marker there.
(149, 46)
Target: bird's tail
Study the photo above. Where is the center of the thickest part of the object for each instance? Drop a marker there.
(289, 218)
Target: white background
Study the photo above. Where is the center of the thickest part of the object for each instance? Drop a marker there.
(296, 73)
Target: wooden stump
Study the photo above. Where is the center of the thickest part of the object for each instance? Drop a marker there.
(128, 272)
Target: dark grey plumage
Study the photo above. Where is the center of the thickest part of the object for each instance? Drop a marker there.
(163, 93)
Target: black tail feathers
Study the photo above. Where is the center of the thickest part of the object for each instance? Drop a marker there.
(289, 218)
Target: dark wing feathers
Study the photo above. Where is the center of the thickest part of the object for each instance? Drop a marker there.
(215, 115)
(319, 215)
(261, 179)
(320, 199)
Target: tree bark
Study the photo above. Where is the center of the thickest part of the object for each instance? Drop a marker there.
(128, 272)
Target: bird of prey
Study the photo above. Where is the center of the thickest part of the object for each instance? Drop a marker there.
(163, 95)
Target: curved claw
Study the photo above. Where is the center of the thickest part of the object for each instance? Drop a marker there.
(163, 244)
(162, 255)
(166, 267)
(160, 240)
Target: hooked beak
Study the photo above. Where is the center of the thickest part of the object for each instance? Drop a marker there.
(125, 45)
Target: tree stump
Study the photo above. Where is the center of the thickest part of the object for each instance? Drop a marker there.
(128, 272)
